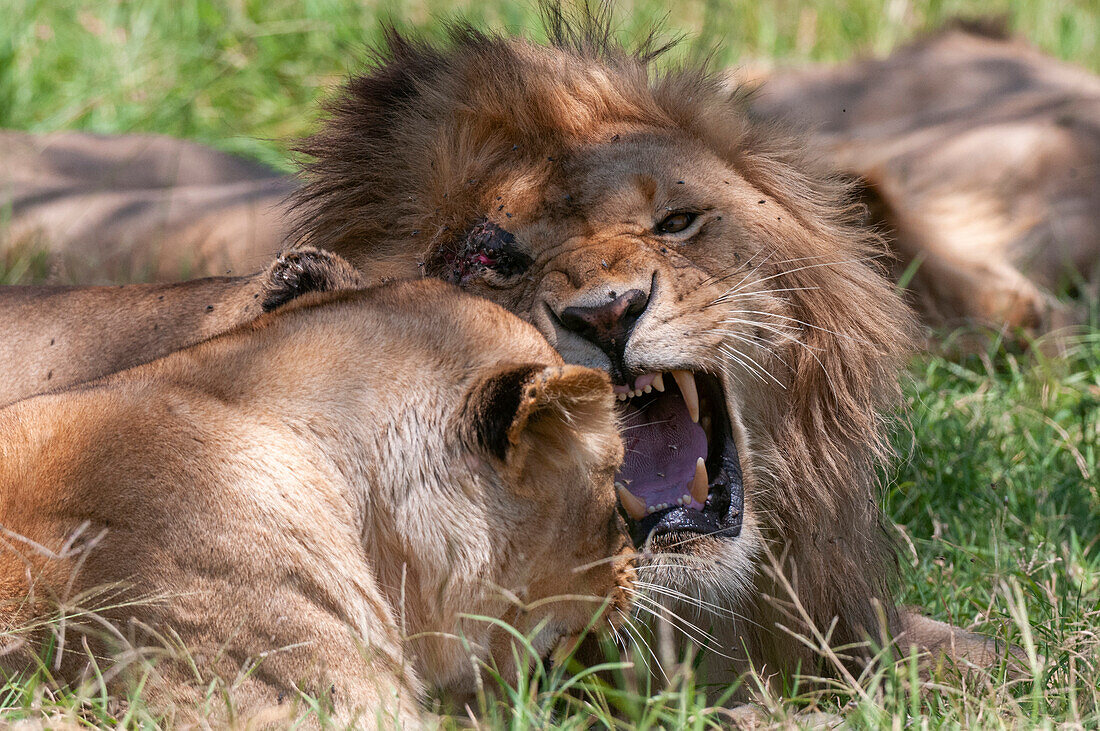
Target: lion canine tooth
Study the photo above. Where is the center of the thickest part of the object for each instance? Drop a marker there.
(686, 381)
(699, 482)
(659, 382)
(634, 505)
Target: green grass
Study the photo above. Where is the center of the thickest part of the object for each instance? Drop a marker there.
(996, 491)
(244, 75)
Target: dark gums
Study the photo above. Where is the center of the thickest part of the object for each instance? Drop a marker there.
(721, 517)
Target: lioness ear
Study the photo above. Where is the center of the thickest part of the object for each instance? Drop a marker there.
(517, 399)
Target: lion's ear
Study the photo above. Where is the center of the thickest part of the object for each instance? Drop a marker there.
(518, 400)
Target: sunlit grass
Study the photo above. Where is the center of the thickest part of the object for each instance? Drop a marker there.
(245, 75)
(1057, 680)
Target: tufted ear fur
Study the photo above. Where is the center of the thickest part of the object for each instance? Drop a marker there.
(548, 404)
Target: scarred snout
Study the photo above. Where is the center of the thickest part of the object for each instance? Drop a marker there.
(607, 325)
(606, 298)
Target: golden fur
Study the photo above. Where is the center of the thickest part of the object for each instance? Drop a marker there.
(313, 500)
(58, 336)
(571, 154)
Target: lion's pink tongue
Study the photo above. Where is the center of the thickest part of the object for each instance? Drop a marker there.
(662, 445)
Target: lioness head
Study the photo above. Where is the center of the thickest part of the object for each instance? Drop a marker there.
(489, 478)
(647, 227)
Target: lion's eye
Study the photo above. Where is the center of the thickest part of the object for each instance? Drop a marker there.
(676, 222)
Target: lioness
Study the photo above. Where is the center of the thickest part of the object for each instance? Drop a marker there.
(649, 228)
(58, 336)
(314, 502)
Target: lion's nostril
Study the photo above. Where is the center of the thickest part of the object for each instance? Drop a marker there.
(608, 326)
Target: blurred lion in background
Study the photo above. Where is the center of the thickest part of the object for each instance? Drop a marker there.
(979, 159)
(975, 154)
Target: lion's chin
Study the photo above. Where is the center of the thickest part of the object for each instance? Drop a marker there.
(681, 474)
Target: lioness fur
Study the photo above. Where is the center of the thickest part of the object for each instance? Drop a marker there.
(314, 501)
(541, 177)
(58, 336)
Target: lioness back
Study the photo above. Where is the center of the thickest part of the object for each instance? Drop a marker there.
(314, 502)
(57, 336)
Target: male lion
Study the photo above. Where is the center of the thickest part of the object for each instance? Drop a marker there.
(647, 227)
(316, 502)
(58, 336)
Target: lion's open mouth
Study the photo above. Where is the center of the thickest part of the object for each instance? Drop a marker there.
(681, 472)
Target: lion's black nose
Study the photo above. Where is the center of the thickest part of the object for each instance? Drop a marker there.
(608, 326)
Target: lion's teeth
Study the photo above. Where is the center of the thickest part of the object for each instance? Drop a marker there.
(622, 396)
(634, 505)
(685, 500)
(686, 381)
(659, 382)
(648, 389)
(699, 482)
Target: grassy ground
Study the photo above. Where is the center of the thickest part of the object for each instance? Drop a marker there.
(996, 493)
